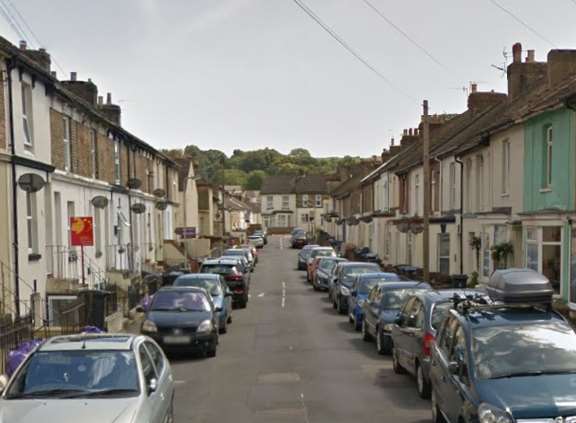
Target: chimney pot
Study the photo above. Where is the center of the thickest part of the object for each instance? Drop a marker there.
(410, 131)
(392, 142)
(42, 50)
(405, 131)
(473, 87)
(517, 53)
(100, 100)
(531, 56)
(73, 76)
(23, 45)
(109, 98)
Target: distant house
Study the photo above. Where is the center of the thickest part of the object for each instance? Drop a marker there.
(289, 201)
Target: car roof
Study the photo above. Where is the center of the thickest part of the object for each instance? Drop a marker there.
(358, 263)
(310, 246)
(202, 276)
(510, 316)
(403, 285)
(444, 295)
(376, 275)
(92, 342)
(225, 261)
(323, 249)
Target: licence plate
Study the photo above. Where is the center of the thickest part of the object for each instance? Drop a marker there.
(177, 340)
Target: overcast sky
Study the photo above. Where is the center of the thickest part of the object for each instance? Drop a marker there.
(250, 74)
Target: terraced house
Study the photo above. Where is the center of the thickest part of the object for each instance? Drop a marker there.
(65, 154)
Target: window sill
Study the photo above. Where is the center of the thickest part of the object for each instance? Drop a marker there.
(505, 195)
(34, 257)
(545, 190)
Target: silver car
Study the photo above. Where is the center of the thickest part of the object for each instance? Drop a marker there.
(98, 378)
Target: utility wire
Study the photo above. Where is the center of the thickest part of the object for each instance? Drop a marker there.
(349, 48)
(11, 22)
(404, 33)
(28, 27)
(523, 23)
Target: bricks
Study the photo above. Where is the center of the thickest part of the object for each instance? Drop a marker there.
(57, 139)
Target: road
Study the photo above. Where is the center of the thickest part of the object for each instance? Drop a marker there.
(290, 358)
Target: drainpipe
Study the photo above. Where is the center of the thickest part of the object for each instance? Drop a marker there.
(131, 252)
(461, 163)
(10, 68)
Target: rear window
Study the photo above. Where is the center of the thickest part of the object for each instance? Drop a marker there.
(358, 270)
(219, 269)
(322, 253)
(439, 312)
(210, 285)
(235, 253)
(180, 301)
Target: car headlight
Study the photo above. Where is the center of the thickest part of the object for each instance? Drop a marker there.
(149, 326)
(205, 326)
(344, 291)
(490, 414)
(388, 327)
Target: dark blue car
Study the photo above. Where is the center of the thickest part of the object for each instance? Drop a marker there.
(381, 310)
(359, 293)
(504, 364)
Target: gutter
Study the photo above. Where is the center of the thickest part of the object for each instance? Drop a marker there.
(461, 163)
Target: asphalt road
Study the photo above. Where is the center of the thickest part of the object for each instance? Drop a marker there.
(290, 358)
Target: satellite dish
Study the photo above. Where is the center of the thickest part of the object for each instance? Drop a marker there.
(159, 192)
(162, 205)
(134, 183)
(138, 208)
(30, 182)
(100, 202)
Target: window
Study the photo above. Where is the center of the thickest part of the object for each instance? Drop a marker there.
(409, 248)
(27, 117)
(318, 200)
(117, 172)
(452, 186)
(269, 202)
(304, 200)
(285, 202)
(32, 222)
(147, 366)
(387, 238)
(157, 356)
(94, 152)
(385, 195)
(444, 253)
(486, 254)
(479, 183)
(505, 167)
(57, 304)
(67, 140)
(150, 180)
(305, 218)
(70, 213)
(532, 250)
(417, 194)
(547, 159)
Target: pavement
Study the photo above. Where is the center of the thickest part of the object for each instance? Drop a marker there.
(289, 358)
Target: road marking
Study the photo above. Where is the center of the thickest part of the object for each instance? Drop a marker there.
(306, 416)
(281, 242)
(260, 295)
(179, 382)
(283, 294)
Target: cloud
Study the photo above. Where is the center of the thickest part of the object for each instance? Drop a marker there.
(224, 10)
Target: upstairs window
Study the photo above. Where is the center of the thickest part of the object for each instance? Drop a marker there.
(67, 140)
(117, 172)
(269, 202)
(469, 204)
(27, 118)
(304, 200)
(150, 180)
(285, 202)
(547, 157)
(505, 167)
(94, 153)
(32, 222)
(318, 200)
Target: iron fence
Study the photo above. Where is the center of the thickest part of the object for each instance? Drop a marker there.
(15, 332)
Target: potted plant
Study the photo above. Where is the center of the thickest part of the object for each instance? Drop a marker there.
(476, 244)
(500, 254)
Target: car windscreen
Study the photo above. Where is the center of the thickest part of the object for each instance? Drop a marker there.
(212, 286)
(524, 350)
(366, 284)
(393, 299)
(76, 374)
(439, 312)
(178, 300)
(322, 253)
(350, 272)
(219, 269)
(327, 264)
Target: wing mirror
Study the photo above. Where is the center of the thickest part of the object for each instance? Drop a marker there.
(454, 368)
(140, 309)
(354, 293)
(3, 383)
(218, 309)
(153, 385)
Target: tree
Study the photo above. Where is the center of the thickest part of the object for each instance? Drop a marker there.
(230, 177)
(255, 179)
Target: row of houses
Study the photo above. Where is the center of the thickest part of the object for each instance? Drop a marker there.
(63, 154)
(502, 183)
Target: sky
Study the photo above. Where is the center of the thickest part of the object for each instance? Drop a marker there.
(249, 74)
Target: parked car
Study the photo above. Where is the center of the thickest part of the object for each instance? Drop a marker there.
(359, 293)
(237, 280)
(325, 272)
(416, 328)
(311, 263)
(183, 319)
(241, 264)
(218, 290)
(364, 254)
(91, 378)
(262, 234)
(510, 361)
(252, 249)
(299, 240)
(344, 278)
(256, 240)
(241, 252)
(303, 255)
(381, 310)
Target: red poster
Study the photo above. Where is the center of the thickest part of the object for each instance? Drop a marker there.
(82, 231)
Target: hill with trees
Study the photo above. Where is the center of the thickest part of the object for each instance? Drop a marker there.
(249, 168)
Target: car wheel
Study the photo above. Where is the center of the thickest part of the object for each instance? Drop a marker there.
(341, 309)
(334, 306)
(383, 343)
(230, 318)
(396, 366)
(224, 328)
(351, 320)
(211, 352)
(437, 416)
(365, 335)
(422, 384)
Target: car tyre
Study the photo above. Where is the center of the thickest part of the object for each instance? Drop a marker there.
(365, 334)
(334, 306)
(341, 309)
(211, 352)
(224, 328)
(229, 319)
(358, 324)
(383, 344)
(422, 384)
(396, 366)
(437, 416)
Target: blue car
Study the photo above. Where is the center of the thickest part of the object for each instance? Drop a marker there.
(509, 361)
(359, 293)
(381, 310)
(216, 287)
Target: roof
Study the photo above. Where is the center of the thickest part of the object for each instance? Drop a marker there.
(291, 184)
(97, 341)
(348, 185)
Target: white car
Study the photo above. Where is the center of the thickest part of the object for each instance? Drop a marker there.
(256, 241)
(90, 378)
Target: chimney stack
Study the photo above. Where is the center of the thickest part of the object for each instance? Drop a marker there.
(524, 76)
(531, 56)
(108, 98)
(86, 90)
(517, 53)
(100, 100)
(111, 111)
(73, 76)
(23, 45)
(473, 87)
(53, 74)
(561, 66)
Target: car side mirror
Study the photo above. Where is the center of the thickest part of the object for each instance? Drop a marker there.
(354, 293)
(3, 383)
(153, 385)
(140, 309)
(454, 367)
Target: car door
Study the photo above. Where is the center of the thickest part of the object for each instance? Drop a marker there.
(227, 296)
(457, 390)
(399, 332)
(440, 371)
(352, 298)
(155, 405)
(165, 378)
(373, 309)
(413, 332)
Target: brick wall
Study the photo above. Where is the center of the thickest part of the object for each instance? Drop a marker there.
(141, 165)
(57, 139)
(82, 153)
(123, 163)
(106, 158)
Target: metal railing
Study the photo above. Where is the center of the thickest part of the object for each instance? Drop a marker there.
(65, 263)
